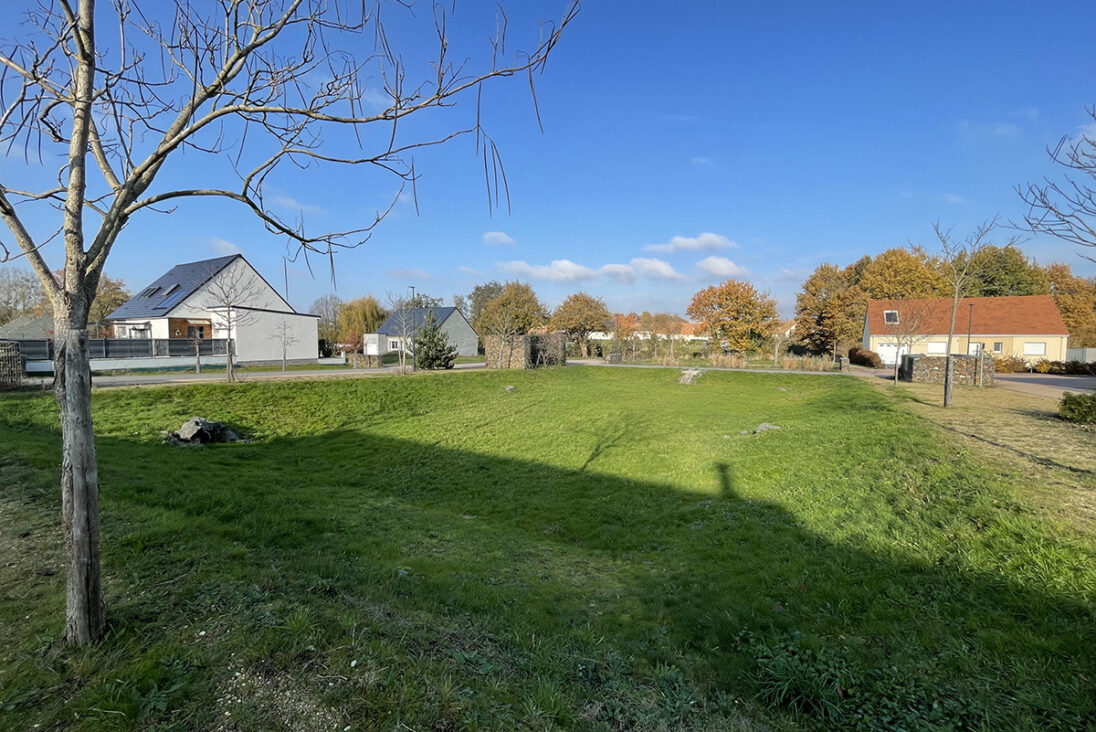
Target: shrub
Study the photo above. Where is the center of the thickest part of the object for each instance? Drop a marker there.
(1042, 366)
(864, 357)
(1009, 365)
(1078, 407)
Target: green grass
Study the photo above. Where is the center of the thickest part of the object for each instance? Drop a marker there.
(594, 549)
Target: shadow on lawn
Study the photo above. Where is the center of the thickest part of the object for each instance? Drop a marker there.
(732, 591)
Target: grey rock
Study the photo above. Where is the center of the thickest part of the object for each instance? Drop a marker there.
(782, 388)
(688, 376)
(764, 426)
(510, 388)
(199, 431)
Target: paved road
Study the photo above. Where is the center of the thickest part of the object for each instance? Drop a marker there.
(1045, 385)
(101, 382)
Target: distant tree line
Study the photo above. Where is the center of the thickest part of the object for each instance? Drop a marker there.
(21, 294)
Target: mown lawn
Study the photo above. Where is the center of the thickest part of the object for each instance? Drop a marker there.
(594, 549)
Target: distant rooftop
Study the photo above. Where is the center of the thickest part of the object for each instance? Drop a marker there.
(409, 320)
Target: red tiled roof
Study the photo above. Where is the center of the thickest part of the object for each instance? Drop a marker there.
(1017, 315)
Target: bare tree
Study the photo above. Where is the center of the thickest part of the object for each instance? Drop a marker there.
(959, 267)
(283, 333)
(229, 294)
(257, 84)
(402, 319)
(1067, 209)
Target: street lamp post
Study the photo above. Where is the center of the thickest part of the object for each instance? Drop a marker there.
(414, 355)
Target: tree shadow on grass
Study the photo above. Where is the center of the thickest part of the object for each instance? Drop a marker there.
(730, 593)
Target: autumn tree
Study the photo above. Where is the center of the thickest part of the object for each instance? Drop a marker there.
(515, 312)
(900, 274)
(110, 295)
(579, 315)
(477, 301)
(829, 311)
(358, 317)
(1076, 300)
(245, 89)
(625, 328)
(735, 311)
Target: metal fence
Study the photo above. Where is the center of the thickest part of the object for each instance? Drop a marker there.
(43, 350)
(1084, 355)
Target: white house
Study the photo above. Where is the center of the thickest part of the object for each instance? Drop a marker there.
(401, 327)
(220, 298)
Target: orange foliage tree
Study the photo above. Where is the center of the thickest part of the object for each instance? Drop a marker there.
(735, 311)
(579, 315)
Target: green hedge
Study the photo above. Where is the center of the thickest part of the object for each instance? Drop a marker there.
(1078, 407)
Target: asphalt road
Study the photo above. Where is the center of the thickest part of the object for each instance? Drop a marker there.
(1046, 385)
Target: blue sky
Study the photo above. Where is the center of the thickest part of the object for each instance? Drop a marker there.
(687, 142)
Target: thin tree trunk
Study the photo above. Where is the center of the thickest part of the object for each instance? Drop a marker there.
(948, 371)
(85, 615)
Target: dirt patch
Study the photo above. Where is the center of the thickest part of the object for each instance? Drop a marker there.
(255, 697)
(1019, 432)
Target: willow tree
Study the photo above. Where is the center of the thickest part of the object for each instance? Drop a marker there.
(252, 88)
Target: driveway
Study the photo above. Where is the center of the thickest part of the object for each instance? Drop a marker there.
(1045, 385)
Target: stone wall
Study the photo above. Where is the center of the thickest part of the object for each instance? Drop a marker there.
(525, 352)
(930, 369)
(11, 365)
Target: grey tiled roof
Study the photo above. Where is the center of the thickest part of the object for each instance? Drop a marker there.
(28, 327)
(411, 320)
(180, 282)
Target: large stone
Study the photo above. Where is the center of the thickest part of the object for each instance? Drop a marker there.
(201, 430)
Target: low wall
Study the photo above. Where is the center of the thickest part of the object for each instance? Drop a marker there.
(11, 366)
(930, 369)
(132, 364)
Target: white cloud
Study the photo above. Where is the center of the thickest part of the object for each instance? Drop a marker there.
(412, 273)
(706, 242)
(295, 205)
(469, 270)
(721, 267)
(619, 272)
(564, 270)
(654, 268)
(560, 270)
(701, 160)
(225, 247)
(498, 238)
(953, 199)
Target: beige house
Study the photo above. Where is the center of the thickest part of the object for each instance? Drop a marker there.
(1027, 326)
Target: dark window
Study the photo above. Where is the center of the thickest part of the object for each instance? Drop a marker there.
(890, 317)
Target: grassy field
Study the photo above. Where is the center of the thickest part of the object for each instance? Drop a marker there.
(593, 549)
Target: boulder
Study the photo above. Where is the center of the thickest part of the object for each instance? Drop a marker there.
(201, 430)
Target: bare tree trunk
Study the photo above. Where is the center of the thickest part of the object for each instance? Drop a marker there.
(949, 374)
(197, 356)
(85, 616)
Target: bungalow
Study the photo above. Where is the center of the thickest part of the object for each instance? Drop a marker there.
(1028, 326)
(398, 331)
(220, 298)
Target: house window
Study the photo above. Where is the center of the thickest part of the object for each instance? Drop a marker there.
(998, 346)
(149, 292)
(170, 290)
(393, 345)
(937, 347)
(1035, 349)
(890, 317)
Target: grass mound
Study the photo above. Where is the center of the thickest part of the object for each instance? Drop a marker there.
(594, 548)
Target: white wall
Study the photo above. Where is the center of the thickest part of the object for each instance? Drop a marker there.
(258, 336)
